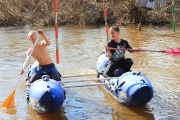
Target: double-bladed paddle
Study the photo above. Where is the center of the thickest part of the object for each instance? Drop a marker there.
(171, 51)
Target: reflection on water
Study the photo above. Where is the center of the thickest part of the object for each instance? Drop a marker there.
(57, 115)
(10, 111)
(120, 112)
(79, 49)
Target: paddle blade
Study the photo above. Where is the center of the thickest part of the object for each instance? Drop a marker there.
(173, 51)
(9, 102)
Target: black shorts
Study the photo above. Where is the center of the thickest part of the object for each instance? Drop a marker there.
(48, 69)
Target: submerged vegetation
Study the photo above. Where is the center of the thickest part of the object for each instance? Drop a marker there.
(83, 12)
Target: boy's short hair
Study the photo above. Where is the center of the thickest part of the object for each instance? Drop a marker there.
(32, 32)
(116, 28)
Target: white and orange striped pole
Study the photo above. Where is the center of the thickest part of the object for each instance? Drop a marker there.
(56, 33)
(105, 19)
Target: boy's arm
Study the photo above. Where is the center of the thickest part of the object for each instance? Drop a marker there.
(46, 41)
(108, 51)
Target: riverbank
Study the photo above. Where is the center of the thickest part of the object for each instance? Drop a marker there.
(84, 12)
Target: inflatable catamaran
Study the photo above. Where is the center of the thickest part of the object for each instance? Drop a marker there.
(130, 88)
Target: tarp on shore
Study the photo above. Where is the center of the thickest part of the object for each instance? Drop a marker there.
(150, 3)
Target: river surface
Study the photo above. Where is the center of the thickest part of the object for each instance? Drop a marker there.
(79, 49)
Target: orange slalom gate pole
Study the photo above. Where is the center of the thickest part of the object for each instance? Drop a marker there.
(56, 33)
(105, 18)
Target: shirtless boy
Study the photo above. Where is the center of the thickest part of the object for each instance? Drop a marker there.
(41, 54)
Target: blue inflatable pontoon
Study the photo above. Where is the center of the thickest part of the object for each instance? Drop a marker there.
(131, 88)
(45, 95)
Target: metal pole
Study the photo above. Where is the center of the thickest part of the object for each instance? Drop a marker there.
(56, 32)
(86, 85)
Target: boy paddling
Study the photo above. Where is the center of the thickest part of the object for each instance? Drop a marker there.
(41, 54)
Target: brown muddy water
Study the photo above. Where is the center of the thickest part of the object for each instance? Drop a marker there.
(80, 48)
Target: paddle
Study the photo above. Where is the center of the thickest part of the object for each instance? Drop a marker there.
(172, 51)
(9, 101)
(56, 32)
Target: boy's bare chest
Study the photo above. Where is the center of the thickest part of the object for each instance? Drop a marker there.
(38, 51)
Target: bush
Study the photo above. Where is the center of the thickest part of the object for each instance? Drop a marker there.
(82, 12)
